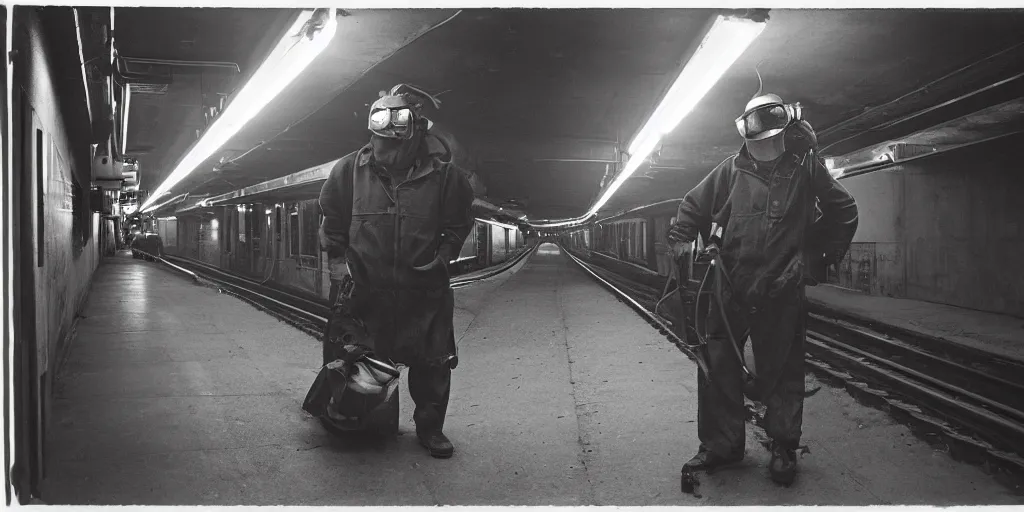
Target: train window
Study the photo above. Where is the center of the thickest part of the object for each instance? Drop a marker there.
(309, 218)
(631, 235)
(227, 230)
(642, 251)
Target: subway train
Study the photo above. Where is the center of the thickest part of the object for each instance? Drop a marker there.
(634, 244)
(278, 243)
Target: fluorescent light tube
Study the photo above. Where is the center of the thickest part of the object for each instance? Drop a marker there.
(495, 223)
(81, 60)
(124, 122)
(723, 44)
(167, 202)
(288, 59)
(727, 39)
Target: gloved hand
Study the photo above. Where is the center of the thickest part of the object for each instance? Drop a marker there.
(680, 250)
(442, 259)
(678, 235)
(338, 267)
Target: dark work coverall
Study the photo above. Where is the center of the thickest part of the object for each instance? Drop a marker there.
(767, 212)
(384, 227)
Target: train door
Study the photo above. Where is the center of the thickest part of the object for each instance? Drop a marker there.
(483, 244)
(242, 243)
(261, 239)
(28, 176)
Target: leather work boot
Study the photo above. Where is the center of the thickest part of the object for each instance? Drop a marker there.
(782, 467)
(708, 461)
(436, 443)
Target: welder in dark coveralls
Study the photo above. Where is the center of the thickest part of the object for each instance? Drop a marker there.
(764, 198)
(394, 216)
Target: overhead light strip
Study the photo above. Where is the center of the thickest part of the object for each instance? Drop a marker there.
(723, 44)
(124, 120)
(289, 58)
(165, 203)
(81, 60)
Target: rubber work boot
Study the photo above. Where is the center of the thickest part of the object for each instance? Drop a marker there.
(708, 461)
(436, 443)
(782, 467)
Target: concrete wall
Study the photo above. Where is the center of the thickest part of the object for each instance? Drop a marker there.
(876, 262)
(59, 242)
(70, 257)
(946, 228)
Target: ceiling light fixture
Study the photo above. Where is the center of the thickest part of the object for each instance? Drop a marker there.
(167, 202)
(81, 60)
(290, 57)
(495, 223)
(722, 45)
(124, 121)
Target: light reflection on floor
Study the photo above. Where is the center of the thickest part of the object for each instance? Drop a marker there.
(548, 248)
(135, 282)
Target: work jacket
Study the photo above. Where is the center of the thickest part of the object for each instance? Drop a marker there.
(776, 219)
(385, 228)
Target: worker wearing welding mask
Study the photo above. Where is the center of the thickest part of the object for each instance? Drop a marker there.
(784, 219)
(395, 213)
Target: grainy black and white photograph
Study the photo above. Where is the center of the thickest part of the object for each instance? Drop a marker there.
(719, 254)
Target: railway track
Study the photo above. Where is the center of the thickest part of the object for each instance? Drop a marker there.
(965, 401)
(304, 312)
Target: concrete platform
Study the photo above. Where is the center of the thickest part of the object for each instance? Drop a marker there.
(1002, 335)
(175, 394)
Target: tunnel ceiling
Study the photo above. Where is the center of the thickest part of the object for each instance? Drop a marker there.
(525, 90)
(166, 107)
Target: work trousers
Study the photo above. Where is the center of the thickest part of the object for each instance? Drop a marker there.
(777, 330)
(430, 387)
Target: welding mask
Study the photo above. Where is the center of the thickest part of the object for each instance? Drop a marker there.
(392, 123)
(397, 114)
(764, 124)
(395, 121)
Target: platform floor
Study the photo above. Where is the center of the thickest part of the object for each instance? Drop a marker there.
(1001, 335)
(175, 394)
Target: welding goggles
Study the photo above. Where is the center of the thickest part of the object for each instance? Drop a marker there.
(767, 117)
(393, 123)
(395, 114)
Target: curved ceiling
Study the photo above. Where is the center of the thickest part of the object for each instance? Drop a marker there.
(542, 97)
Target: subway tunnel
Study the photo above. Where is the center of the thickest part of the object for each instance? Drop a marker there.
(168, 293)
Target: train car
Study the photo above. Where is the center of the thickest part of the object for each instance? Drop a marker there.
(278, 243)
(632, 243)
(635, 243)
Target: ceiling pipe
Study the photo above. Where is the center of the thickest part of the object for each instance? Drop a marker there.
(185, 63)
(846, 122)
